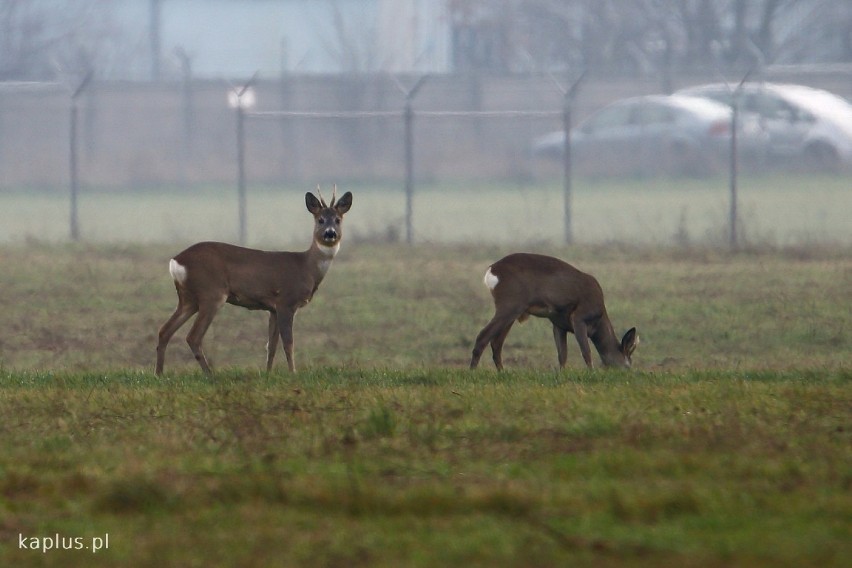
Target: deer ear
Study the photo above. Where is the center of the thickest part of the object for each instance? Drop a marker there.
(313, 204)
(629, 342)
(344, 203)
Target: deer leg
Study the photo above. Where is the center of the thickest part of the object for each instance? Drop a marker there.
(182, 313)
(560, 336)
(285, 328)
(581, 333)
(489, 333)
(497, 346)
(206, 313)
(272, 343)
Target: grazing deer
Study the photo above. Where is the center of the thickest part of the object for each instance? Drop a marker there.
(207, 275)
(526, 285)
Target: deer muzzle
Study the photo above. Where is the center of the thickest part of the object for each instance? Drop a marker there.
(329, 235)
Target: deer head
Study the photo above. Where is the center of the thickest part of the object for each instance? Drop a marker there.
(328, 217)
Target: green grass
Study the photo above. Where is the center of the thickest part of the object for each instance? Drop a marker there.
(430, 467)
(777, 210)
(83, 307)
(728, 445)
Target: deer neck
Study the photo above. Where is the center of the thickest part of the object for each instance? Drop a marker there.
(606, 342)
(320, 257)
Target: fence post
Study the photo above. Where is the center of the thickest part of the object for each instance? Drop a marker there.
(187, 105)
(75, 186)
(72, 158)
(240, 103)
(409, 154)
(241, 173)
(733, 172)
(568, 96)
(409, 169)
(154, 37)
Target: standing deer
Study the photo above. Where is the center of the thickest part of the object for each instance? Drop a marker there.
(208, 274)
(524, 285)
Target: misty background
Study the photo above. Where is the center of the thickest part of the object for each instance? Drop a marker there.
(156, 133)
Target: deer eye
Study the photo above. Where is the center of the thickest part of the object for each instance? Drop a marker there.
(321, 221)
(337, 221)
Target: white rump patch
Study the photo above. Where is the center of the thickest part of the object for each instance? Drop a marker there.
(490, 279)
(178, 271)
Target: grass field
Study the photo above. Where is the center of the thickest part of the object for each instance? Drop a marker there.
(728, 445)
(773, 210)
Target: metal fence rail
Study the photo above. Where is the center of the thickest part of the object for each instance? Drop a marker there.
(408, 116)
(158, 135)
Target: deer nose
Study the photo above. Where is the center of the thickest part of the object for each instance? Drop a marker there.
(329, 234)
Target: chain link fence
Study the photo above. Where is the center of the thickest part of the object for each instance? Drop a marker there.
(150, 154)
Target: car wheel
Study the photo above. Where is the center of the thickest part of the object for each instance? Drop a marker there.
(821, 158)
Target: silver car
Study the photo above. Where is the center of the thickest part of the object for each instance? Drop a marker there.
(648, 135)
(801, 126)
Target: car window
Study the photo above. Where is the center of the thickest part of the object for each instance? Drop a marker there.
(653, 113)
(769, 106)
(745, 101)
(610, 117)
(723, 97)
(772, 107)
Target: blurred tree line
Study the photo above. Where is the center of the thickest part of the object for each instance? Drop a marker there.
(648, 36)
(38, 38)
(41, 39)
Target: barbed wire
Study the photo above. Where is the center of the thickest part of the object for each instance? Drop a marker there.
(282, 114)
(30, 86)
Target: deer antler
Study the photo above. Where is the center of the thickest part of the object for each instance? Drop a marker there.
(322, 200)
(333, 195)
